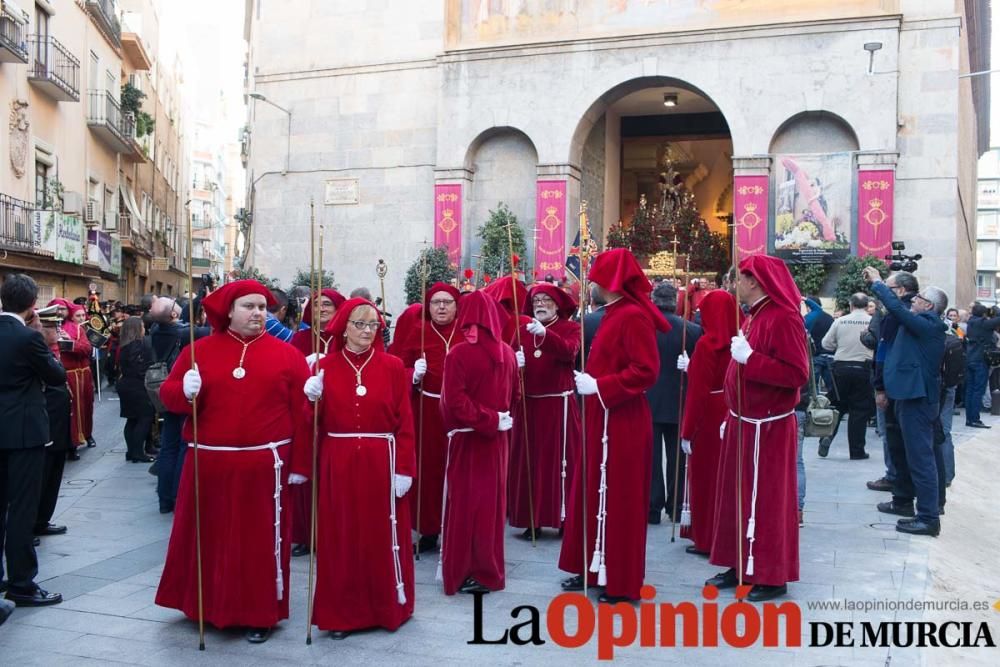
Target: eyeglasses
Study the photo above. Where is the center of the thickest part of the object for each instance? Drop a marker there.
(361, 325)
(923, 298)
(442, 303)
(542, 301)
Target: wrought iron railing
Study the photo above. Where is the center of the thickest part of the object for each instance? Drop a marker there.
(16, 223)
(53, 61)
(12, 33)
(105, 110)
(106, 16)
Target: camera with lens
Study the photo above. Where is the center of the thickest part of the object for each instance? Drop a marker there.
(898, 261)
(207, 285)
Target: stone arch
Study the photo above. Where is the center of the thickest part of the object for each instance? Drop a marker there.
(814, 132)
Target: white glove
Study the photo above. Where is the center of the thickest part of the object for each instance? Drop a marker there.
(585, 383)
(740, 349)
(520, 358)
(686, 446)
(683, 360)
(419, 370)
(402, 484)
(296, 478)
(506, 421)
(722, 429)
(192, 383)
(314, 387)
(313, 358)
(536, 328)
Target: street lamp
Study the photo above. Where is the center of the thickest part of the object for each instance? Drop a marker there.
(288, 144)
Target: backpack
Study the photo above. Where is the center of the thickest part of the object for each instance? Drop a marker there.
(953, 363)
(157, 373)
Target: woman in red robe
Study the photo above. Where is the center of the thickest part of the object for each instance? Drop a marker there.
(329, 301)
(79, 377)
(438, 338)
(704, 411)
(250, 402)
(364, 571)
(553, 419)
(759, 444)
(624, 362)
(480, 386)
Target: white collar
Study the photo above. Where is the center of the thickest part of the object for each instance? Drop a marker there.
(754, 304)
(15, 316)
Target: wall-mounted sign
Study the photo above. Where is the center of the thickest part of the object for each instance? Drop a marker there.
(342, 191)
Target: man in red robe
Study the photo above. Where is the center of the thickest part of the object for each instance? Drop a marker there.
(551, 344)
(329, 301)
(423, 353)
(248, 387)
(704, 411)
(624, 362)
(769, 364)
(80, 380)
(511, 295)
(480, 386)
(364, 572)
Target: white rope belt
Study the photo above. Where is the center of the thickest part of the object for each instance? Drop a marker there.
(597, 563)
(562, 473)
(752, 525)
(273, 446)
(429, 394)
(717, 391)
(397, 567)
(444, 498)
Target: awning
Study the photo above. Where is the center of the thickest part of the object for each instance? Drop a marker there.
(133, 209)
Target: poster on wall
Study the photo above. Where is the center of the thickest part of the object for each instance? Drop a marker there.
(812, 208)
(44, 236)
(116, 256)
(69, 239)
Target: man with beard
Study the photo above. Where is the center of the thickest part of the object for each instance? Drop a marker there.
(551, 345)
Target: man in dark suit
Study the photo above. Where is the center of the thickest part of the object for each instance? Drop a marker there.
(26, 365)
(664, 402)
(912, 377)
(592, 320)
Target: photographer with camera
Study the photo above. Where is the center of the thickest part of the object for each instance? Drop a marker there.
(979, 340)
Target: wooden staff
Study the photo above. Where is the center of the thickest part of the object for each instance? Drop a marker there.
(315, 287)
(739, 418)
(584, 256)
(194, 437)
(520, 378)
(424, 315)
(680, 390)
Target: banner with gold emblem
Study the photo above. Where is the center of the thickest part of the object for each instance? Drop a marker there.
(875, 206)
(750, 198)
(550, 235)
(448, 220)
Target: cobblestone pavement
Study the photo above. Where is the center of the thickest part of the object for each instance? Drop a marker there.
(107, 567)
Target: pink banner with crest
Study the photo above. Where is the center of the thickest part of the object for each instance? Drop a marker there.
(448, 220)
(876, 190)
(550, 234)
(750, 200)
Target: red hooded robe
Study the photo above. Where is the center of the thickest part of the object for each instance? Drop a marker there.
(79, 377)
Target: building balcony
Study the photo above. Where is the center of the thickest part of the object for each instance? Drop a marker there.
(54, 70)
(13, 35)
(136, 52)
(16, 224)
(105, 16)
(115, 129)
(202, 263)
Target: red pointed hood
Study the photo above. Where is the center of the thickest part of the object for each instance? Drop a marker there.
(617, 271)
(479, 320)
(338, 325)
(775, 279)
(718, 319)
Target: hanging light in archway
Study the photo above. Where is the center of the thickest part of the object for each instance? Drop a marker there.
(669, 99)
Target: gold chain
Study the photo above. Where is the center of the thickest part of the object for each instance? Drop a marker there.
(447, 343)
(245, 345)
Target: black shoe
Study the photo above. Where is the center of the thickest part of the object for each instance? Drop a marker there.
(166, 508)
(72, 455)
(339, 634)
(762, 593)
(470, 585)
(881, 484)
(37, 598)
(860, 457)
(824, 445)
(50, 529)
(604, 598)
(918, 527)
(3, 585)
(258, 635)
(574, 583)
(941, 511)
(693, 550)
(526, 535)
(723, 580)
(91, 443)
(426, 543)
(891, 507)
(6, 609)
(142, 459)
(654, 518)
(300, 550)
(37, 542)
(978, 424)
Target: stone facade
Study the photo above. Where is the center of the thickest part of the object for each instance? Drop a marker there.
(390, 105)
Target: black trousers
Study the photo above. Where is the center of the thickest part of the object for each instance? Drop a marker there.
(662, 491)
(903, 492)
(20, 487)
(854, 396)
(52, 474)
(136, 431)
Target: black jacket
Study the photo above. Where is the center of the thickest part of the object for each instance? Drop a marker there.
(664, 396)
(979, 338)
(134, 359)
(26, 365)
